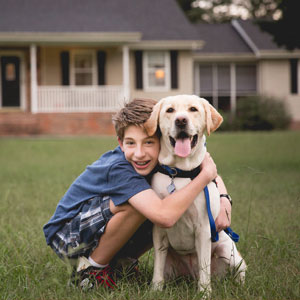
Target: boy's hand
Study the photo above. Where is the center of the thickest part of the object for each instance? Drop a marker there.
(224, 218)
(209, 167)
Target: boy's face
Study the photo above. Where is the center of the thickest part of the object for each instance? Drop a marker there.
(140, 149)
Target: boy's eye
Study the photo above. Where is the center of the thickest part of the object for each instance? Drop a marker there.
(129, 142)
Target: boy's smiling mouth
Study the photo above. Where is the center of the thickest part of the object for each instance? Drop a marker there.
(141, 164)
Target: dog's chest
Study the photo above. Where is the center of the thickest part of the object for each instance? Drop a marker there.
(182, 235)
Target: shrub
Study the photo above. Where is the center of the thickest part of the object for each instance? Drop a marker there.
(257, 113)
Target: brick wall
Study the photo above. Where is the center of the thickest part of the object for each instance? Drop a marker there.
(24, 123)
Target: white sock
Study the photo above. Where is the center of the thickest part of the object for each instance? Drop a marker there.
(94, 264)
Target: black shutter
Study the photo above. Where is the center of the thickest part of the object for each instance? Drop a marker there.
(294, 75)
(65, 70)
(101, 61)
(174, 69)
(138, 55)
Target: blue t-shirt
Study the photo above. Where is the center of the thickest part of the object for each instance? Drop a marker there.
(111, 175)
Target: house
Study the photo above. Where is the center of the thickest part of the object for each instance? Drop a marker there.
(67, 65)
(238, 60)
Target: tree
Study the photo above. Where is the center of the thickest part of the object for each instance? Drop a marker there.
(216, 11)
(285, 31)
(280, 18)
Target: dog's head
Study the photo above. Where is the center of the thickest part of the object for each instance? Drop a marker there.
(183, 120)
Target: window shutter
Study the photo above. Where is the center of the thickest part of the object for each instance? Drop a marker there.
(101, 61)
(174, 69)
(65, 70)
(294, 75)
(138, 55)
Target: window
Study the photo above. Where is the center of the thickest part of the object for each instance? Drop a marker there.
(245, 79)
(83, 70)
(156, 70)
(221, 83)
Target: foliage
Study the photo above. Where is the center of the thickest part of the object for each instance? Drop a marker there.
(284, 30)
(35, 173)
(257, 113)
(213, 11)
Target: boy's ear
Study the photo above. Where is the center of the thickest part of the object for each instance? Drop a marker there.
(152, 123)
(213, 118)
(120, 143)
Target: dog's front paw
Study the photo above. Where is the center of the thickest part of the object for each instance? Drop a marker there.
(205, 291)
(157, 285)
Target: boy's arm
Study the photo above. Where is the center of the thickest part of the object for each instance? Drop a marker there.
(224, 218)
(166, 212)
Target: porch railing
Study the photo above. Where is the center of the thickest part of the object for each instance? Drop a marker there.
(79, 99)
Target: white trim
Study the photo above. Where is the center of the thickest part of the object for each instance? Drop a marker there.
(93, 68)
(236, 25)
(70, 37)
(215, 85)
(126, 75)
(22, 77)
(167, 45)
(167, 85)
(232, 88)
(33, 79)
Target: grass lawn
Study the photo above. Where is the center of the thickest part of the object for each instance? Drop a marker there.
(262, 174)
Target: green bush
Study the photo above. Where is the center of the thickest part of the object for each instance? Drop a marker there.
(257, 113)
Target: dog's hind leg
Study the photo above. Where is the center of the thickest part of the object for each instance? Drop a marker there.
(225, 257)
(161, 245)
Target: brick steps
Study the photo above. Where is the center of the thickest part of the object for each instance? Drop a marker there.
(24, 123)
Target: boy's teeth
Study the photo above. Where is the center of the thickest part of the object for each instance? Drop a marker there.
(141, 163)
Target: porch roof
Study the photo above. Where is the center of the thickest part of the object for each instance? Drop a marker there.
(120, 20)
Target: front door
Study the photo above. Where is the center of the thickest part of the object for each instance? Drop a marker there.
(10, 81)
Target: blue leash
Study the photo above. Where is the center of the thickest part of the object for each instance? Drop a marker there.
(214, 233)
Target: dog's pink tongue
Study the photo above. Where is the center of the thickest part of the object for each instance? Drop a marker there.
(183, 147)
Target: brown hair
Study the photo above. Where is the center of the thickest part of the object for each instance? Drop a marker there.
(135, 112)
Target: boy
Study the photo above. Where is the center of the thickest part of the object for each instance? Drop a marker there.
(102, 215)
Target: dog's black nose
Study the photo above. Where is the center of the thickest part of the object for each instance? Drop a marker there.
(181, 122)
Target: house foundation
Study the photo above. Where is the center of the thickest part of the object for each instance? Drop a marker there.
(26, 124)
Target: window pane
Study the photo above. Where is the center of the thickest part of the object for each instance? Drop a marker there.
(83, 61)
(223, 80)
(83, 79)
(155, 79)
(245, 79)
(206, 79)
(156, 60)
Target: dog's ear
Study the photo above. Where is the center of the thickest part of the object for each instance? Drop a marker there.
(213, 118)
(152, 123)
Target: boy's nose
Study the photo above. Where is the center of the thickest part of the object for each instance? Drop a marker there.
(139, 151)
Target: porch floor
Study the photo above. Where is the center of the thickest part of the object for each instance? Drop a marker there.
(24, 123)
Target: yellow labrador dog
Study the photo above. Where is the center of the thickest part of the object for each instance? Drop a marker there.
(183, 121)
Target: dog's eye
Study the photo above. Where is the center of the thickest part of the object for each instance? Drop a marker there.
(193, 108)
(170, 110)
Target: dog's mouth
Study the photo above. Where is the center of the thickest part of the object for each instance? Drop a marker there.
(183, 143)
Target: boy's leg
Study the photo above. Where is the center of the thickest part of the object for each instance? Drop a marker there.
(124, 223)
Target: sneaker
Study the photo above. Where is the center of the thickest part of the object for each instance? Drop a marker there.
(88, 277)
(126, 268)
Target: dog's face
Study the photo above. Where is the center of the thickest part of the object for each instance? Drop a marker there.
(183, 120)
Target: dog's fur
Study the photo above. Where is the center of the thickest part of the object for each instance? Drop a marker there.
(183, 120)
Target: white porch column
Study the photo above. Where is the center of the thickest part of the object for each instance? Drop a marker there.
(33, 79)
(126, 81)
(232, 89)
